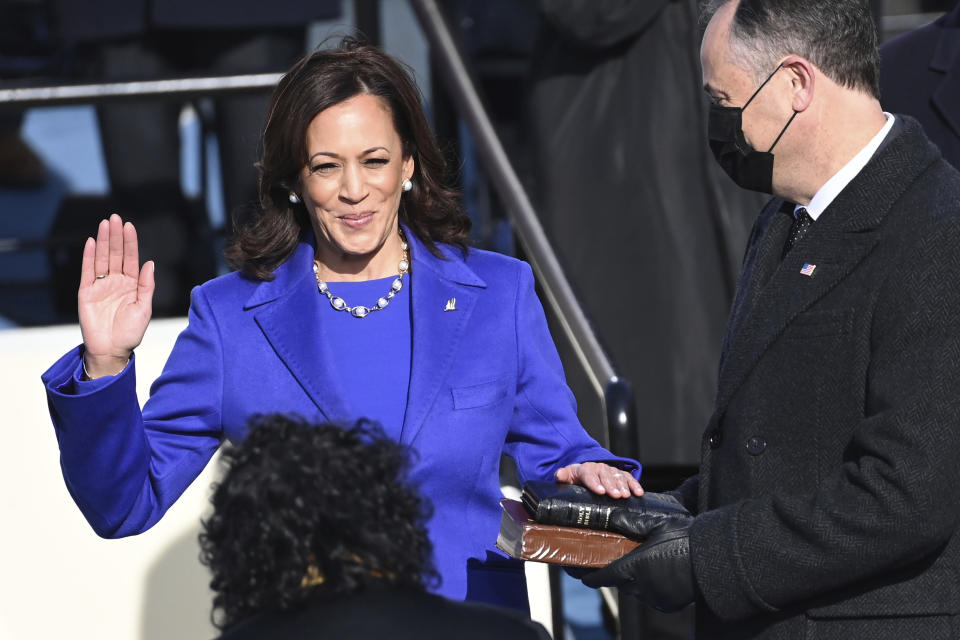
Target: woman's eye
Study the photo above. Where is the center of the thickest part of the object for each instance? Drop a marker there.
(323, 167)
(376, 162)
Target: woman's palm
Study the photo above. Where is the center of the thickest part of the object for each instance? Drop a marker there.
(115, 296)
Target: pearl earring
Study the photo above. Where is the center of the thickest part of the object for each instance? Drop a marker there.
(293, 198)
(407, 184)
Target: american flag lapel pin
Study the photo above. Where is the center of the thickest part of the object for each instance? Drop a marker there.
(807, 269)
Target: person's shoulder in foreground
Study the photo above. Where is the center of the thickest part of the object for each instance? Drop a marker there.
(316, 531)
(391, 613)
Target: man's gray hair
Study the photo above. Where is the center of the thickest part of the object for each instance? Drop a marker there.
(838, 36)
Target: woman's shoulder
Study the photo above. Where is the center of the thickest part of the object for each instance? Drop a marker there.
(238, 286)
(227, 287)
(486, 264)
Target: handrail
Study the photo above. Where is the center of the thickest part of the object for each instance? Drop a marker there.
(23, 97)
(524, 219)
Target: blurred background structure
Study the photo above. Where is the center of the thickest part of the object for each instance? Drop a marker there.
(596, 106)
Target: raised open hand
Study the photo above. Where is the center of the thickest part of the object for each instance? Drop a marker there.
(115, 299)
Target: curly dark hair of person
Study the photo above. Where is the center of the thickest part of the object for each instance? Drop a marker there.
(306, 511)
(322, 79)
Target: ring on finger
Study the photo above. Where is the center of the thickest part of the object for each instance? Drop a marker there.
(101, 276)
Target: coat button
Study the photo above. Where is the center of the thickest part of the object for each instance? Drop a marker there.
(715, 439)
(756, 445)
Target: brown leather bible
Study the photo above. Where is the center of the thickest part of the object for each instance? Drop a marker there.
(520, 537)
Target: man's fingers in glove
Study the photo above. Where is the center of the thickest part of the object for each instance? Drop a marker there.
(615, 573)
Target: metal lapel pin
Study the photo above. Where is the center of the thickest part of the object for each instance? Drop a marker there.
(451, 305)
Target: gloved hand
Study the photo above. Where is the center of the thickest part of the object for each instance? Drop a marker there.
(638, 523)
(659, 572)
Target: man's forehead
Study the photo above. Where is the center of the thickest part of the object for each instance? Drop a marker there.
(714, 46)
(715, 54)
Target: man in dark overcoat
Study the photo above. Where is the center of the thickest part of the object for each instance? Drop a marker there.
(828, 498)
(920, 76)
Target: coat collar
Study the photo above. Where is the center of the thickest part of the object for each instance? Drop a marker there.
(289, 309)
(946, 59)
(845, 234)
(437, 333)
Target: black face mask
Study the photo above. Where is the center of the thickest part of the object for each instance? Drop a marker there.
(749, 168)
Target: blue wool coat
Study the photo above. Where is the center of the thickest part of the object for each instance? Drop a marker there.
(485, 380)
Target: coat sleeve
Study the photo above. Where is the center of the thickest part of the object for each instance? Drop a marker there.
(891, 505)
(124, 467)
(545, 433)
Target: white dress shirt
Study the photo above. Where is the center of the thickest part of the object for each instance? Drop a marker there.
(832, 187)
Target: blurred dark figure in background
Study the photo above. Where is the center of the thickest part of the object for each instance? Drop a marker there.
(27, 48)
(317, 533)
(125, 40)
(649, 229)
(920, 76)
(935, 5)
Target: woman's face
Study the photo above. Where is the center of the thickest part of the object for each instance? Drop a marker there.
(352, 183)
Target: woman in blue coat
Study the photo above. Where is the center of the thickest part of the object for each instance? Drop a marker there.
(355, 296)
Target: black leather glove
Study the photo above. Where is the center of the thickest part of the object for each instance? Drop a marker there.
(638, 523)
(659, 572)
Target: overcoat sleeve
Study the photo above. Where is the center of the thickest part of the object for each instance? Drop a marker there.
(894, 499)
(123, 467)
(545, 433)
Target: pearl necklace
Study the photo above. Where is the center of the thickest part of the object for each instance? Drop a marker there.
(361, 311)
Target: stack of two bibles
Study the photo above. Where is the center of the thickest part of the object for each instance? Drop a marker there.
(572, 526)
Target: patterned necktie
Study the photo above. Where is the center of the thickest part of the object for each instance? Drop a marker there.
(801, 224)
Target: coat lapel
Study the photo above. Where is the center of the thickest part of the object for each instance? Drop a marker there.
(946, 59)
(759, 265)
(843, 236)
(834, 253)
(436, 332)
(287, 310)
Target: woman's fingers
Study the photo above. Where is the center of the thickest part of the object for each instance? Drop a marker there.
(131, 251)
(116, 245)
(566, 474)
(145, 286)
(601, 479)
(101, 260)
(86, 265)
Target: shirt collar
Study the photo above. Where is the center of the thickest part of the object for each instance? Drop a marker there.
(832, 187)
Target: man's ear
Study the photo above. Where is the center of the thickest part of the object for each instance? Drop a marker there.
(802, 75)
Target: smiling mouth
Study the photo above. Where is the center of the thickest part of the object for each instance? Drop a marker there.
(357, 219)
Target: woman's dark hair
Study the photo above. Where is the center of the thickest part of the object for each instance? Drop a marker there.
(321, 80)
(306, 511)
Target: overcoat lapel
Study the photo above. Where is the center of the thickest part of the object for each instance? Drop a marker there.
(834, 253)
(288, 312)
(842, 237)
(946, 59)
(437, 333)
(759, 265)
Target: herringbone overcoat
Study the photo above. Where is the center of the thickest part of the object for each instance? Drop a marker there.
(828, 496)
